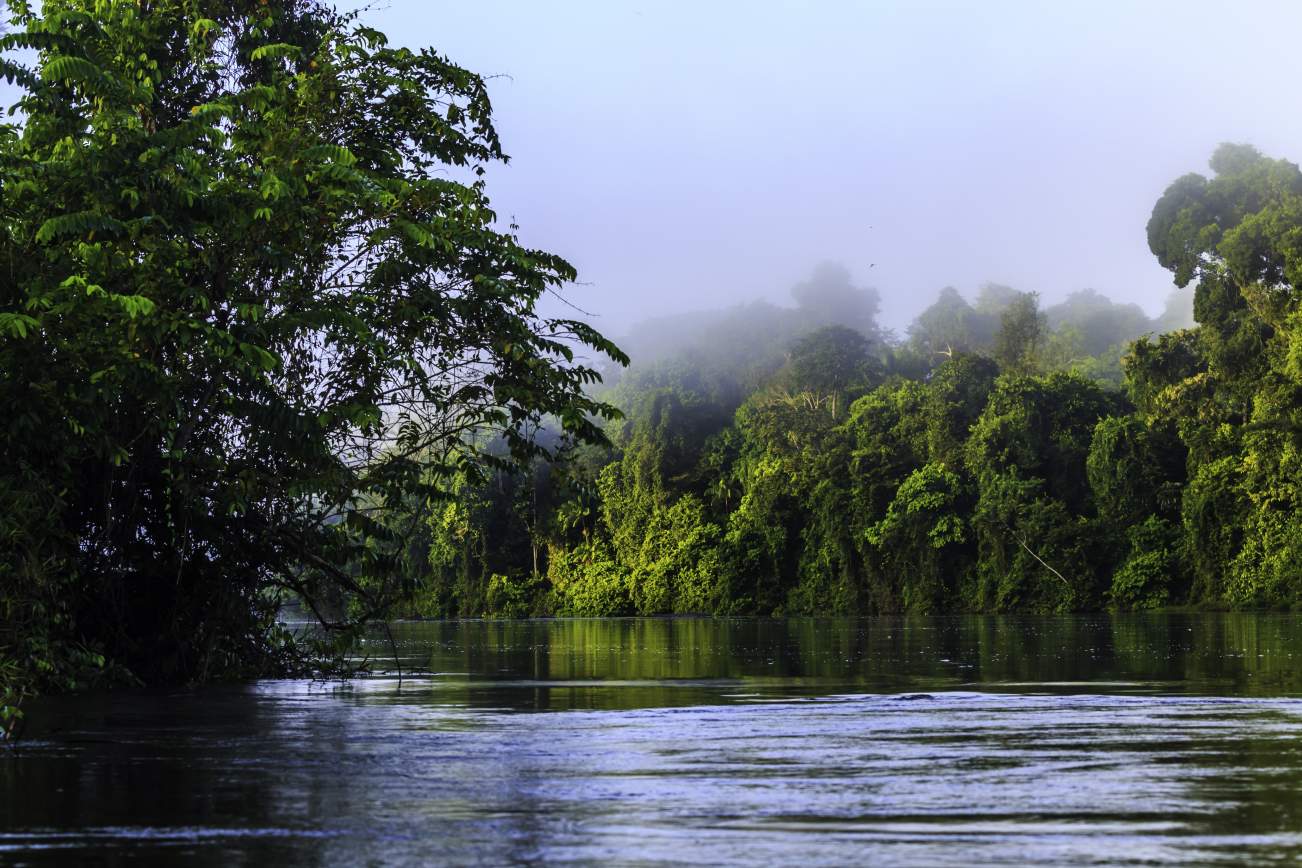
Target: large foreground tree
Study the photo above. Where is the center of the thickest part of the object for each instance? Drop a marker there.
(250, 288)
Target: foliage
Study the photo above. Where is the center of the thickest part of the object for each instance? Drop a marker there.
(1144, 579)
(509, 597)
(956, 394)
(1002, 459)
(1134, 469)
(1232, 386)
(262, 339)
(1099, 322)
(924, 537)
(678, 562)
(256, 302)
(588, 582)
(1021, 332)
(831, 363)
(946, 327)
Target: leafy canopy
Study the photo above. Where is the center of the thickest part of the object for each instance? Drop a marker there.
(252, 284)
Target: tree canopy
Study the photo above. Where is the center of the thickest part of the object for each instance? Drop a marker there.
(263, 340)
(254, 292)
(1003, 458)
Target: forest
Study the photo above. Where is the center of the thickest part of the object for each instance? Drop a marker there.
(264, 343)
(998, 457)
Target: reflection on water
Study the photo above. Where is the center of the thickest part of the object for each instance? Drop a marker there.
(945, 741)
(574, 663)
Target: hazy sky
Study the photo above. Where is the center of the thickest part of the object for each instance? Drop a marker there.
(697, 154)
(688, 154)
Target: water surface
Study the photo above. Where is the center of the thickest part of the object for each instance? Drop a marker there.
(928, 741)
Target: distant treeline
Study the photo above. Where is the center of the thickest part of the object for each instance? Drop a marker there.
(999, 457)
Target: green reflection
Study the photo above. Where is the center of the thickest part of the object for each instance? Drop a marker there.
(653, 662)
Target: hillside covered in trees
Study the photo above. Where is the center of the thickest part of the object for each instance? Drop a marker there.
(1000, 456)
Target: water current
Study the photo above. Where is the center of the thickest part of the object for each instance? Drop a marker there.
(1063, 740)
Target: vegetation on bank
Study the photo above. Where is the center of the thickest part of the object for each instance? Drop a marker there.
(261, 340)
(253, 296)
(997, 458)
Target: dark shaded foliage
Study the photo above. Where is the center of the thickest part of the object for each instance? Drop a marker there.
(249, 327)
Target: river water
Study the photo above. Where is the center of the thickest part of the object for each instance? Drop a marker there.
(1073, 740)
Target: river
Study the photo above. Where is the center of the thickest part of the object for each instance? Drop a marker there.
(1064, 740)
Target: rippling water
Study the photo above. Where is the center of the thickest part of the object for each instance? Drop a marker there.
(1062, 740)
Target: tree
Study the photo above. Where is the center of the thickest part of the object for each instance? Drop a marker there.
(830, 362)
(944, 328)
(254, 292)
(888, 437)
(1021, 329)
(1101, 323)
(956, 395)
(1028, 453)
(1232, 386)
(828, 297)
(1136, 471)
(923, 534)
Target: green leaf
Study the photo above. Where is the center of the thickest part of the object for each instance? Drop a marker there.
(78, 69)
(18, 324)
(275, 50)
(80, 223)
(134, 305)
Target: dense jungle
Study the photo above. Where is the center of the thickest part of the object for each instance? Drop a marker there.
(866, 447)
(264, 343)
(1000, 456)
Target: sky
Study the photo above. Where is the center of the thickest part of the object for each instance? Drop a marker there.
(697, 154)
(689, 155)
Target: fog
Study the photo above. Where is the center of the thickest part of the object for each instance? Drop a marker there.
(689, 156)
(686, 155)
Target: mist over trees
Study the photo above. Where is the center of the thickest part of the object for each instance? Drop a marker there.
(258, 349)
(727, 354)
(1000, 455)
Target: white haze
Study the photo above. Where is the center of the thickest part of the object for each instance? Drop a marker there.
(687, 154)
